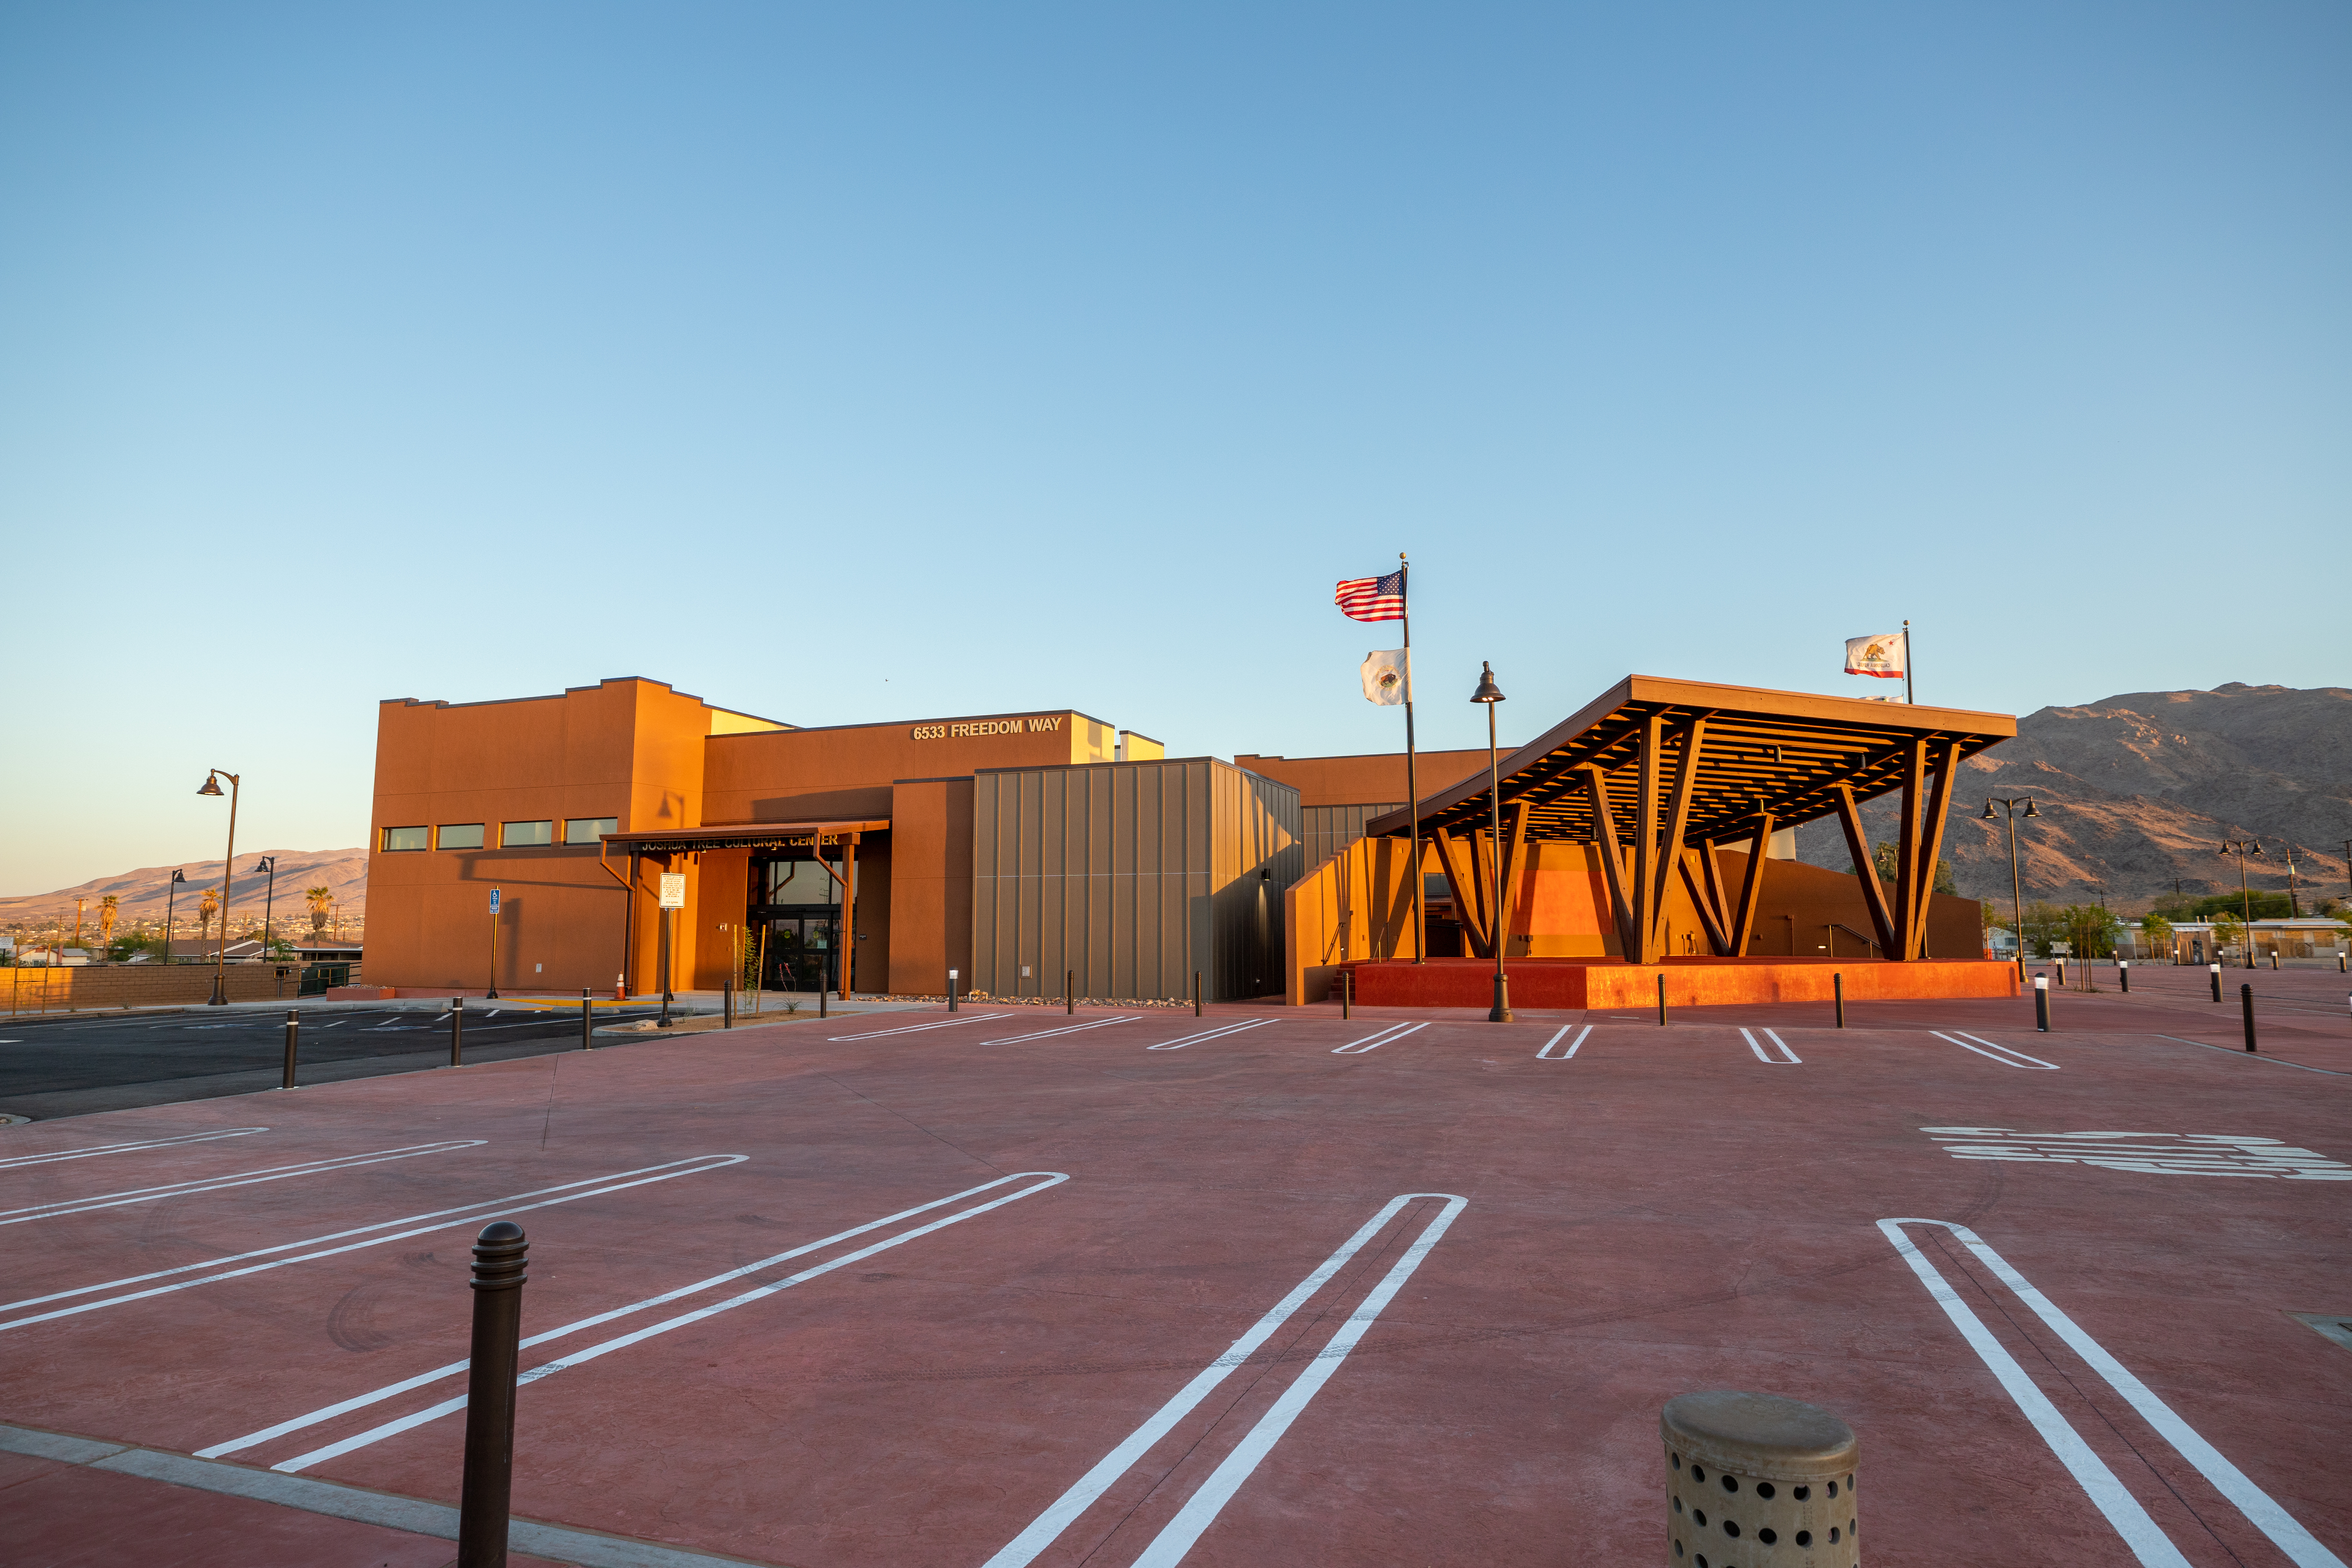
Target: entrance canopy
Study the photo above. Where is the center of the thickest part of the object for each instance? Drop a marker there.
(739, 835)
(1667, 769)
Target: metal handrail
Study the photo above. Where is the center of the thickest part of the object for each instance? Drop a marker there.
(1840, 925)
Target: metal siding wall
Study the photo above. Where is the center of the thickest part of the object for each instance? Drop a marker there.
(1330, 829)
(1106, 870)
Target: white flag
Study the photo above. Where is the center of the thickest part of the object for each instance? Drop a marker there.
(1881, 656)
(1388, 677)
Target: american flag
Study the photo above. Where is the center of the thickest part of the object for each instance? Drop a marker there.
(1373, 598)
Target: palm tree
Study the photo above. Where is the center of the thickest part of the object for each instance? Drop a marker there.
(108, 908)
(320, 900)
(207, 906)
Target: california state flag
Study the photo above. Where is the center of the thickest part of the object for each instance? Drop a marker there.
(1881, 656)
(1387, 677)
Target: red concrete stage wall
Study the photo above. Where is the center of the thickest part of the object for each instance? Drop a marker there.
(1690, 981)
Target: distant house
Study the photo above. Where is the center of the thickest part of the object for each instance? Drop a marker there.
(53, 957)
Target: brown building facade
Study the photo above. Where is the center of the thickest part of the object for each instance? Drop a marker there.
(1009, 847)
(1013, 849)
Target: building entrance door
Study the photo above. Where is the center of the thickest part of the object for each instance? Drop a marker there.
(800, 951)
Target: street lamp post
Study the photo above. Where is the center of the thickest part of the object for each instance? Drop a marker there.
(2242, 848)
(1489, 694)
(228, 863)
(269, 899)
(2016, 899)
(171, 891)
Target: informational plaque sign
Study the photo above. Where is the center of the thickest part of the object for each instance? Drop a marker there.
(672, 890)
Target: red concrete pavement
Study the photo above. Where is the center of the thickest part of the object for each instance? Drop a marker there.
(1667, 1209)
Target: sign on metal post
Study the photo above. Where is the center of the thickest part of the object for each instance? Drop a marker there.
(2061, 947)
(672, 890)
(494, 900)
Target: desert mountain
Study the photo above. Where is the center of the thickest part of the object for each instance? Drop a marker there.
(2135, 793)
(141, 893)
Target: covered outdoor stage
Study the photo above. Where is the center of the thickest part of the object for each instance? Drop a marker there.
(1634, 846)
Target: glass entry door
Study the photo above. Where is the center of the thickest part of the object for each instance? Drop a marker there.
(800, 951)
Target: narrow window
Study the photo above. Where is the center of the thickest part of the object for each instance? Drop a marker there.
(524, 835)
(399, 839)
(460, 835)
(589, 829)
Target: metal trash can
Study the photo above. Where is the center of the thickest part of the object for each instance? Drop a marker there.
(1754, 1480)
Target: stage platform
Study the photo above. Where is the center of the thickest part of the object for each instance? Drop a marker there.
(1690, 981)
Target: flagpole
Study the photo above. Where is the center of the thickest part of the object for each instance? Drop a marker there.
(1906, 661)
(1411, 774)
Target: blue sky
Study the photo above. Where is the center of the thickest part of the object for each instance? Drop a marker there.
(873, 363)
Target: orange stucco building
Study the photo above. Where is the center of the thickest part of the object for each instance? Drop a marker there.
(1013, 849)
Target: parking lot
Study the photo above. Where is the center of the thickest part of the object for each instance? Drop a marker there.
(1014, 1285)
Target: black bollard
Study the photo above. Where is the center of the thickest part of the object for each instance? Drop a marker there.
(2041, 1003)
(2246, 1006)
(1347, 992)
(1069, 998)
(727, 1003)
(1662, 1000)
(1196, 993)
(457, 1032)
(2274, 958)
(293, 1034)
(500, 1253)
(1837, 990)
(821, 995)
(951, 988)
(587, 1021)
(2123, 976)
(2213, 971)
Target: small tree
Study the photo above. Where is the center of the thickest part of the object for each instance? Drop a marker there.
(207, 906)
(321, 901)
(2043, 923)
(1885, 857)
(109, 910)
(2156, 932)
(2228, 932)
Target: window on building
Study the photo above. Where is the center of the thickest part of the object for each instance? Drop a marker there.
(523, 834)
(459, 836)
(397, 839)
(589, 829)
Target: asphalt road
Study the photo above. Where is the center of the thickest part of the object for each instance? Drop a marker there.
(50, 1069)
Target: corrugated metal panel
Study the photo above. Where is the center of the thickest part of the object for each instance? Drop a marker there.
(1132, 875)
(1329, 829)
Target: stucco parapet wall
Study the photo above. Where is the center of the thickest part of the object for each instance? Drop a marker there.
(724, 721)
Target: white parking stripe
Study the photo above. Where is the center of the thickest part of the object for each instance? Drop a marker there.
(577, 1358)
(2140, 1533)
(441, 1219)
(1374, 1042)
(917, 1029)
(1212, 1034)
(1064, 1512)
(1199, 1510)
(239, 1179)
(1545, 1054)
(1754, 1046)
(1794, 1059)
(1996, 1052)
(328, 1413)
(128, 1148)
(1065, 1029)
